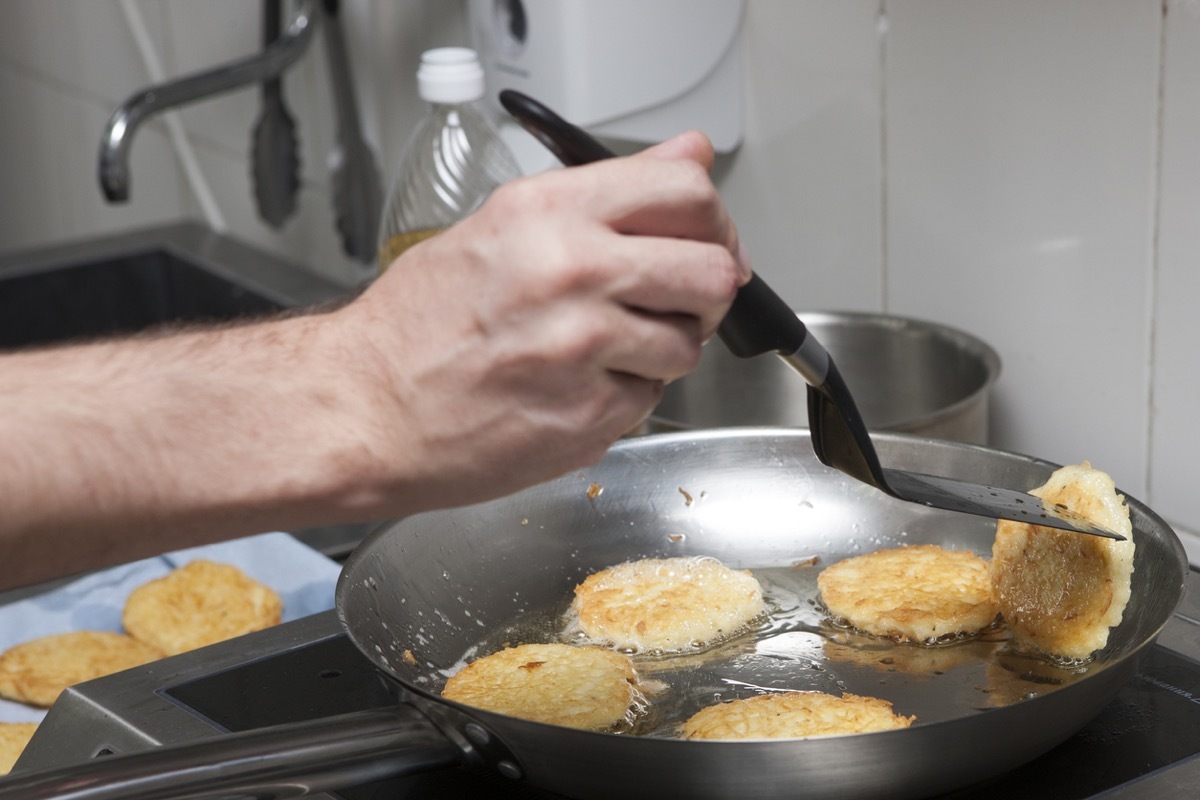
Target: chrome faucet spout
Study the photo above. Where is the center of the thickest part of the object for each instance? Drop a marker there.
(273, 60)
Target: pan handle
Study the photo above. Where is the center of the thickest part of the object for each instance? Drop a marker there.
(276, 762)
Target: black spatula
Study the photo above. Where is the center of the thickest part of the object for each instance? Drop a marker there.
(760, 322)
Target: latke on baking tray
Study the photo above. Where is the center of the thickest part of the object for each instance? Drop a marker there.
(198, 604)
(37, 671)
(14, 736)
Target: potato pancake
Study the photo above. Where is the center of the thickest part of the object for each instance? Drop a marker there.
(14, 736)
(661, 605)
(1060, 592)
(199, 604)
(37, 671)
(793, 715)
(591, 688)
(921, 593)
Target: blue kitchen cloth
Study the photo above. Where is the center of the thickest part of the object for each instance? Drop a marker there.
(304, 579)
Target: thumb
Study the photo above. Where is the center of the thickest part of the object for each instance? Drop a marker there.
(691, 145)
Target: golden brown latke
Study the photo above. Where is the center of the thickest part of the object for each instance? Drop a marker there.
(199, 604)
(666, 604)
(14, 736)
(1060, 592)
(920, 593)
(37, 671)
(793, 715)
(591, 688)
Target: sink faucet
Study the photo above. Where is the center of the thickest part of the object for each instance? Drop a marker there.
(273, 60)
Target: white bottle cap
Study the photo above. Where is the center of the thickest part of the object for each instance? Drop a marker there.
(450, 75)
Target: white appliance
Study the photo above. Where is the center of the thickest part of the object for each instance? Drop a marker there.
(634, 70)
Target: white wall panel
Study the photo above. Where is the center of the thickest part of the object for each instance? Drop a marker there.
(1175, 439)
(1020, 163)
(48, 188)
(804, 186)
(85, 48)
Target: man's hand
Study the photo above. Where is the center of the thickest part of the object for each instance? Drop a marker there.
(522, 342)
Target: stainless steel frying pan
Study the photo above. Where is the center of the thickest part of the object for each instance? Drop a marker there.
(418, 597)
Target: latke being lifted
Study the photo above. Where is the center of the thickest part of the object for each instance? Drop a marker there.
(591, 688)
(1059, 591)
(921, 593)
(793, 715)
(666, 604)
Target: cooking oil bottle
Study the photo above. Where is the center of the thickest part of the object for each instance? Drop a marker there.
(452, 161)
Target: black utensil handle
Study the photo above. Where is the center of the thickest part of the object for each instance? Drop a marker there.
(759, 321)
(572, 145)
(272, 24)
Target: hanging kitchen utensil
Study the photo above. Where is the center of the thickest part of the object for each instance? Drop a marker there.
(760, 322)
(274, 157)
(357, 190)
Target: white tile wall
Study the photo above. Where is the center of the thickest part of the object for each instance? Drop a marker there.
(805, 185)
(81, 48)
(58, 84)
(1027, 170)
(1021, 152)
(1175, 422)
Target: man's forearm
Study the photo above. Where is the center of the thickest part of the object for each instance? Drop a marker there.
(161, 442)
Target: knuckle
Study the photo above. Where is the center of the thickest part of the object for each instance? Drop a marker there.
(685, 356)
(696, 181)
(726, 279)
(571, 266)
(522, 194)
(583, 340)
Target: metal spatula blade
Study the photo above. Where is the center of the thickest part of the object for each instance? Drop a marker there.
(840, 440)
(760, 322)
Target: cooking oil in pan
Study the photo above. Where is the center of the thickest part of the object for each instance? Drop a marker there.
(795, 647)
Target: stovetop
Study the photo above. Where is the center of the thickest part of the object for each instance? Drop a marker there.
(1144, 744)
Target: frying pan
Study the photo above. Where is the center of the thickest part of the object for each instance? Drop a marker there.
(419, 595)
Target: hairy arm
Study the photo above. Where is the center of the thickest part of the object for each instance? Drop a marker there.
(123, 449)
(509, 349)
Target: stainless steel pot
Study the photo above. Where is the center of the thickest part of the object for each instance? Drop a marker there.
(906, 375)
(419, 595)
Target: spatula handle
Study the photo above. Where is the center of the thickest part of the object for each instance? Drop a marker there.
(761, 322)
(572, 145)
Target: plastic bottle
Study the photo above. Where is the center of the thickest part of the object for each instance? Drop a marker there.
(452, 161)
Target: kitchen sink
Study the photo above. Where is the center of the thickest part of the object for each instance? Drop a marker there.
(133, 281)
(128, 282)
